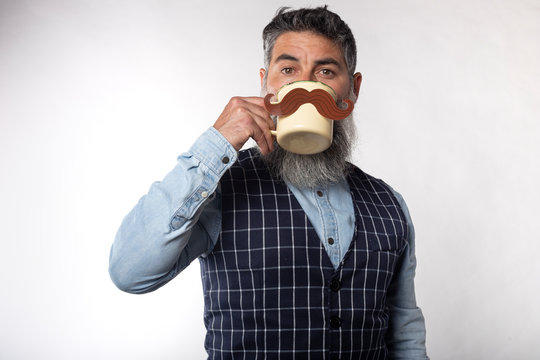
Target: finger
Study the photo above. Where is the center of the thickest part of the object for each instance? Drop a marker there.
(259, 130)
(266, 127)
(259, 123)
(256, 105)
(261, 138)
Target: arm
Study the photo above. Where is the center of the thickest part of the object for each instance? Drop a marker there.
(180, 217)
(406, 335)
(175, 222)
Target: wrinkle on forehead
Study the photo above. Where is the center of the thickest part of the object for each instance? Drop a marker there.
(294, 44)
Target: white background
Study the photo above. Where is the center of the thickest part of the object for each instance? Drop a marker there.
(98, 98)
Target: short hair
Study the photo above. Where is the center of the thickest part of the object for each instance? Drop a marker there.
(318, 20)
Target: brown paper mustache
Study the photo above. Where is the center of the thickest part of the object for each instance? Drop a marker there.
(322, 100)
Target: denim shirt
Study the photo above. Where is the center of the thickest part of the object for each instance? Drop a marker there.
(180, 219)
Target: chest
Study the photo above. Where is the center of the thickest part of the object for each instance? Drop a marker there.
(265, 227)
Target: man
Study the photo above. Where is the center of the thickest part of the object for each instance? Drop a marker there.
(302, 256)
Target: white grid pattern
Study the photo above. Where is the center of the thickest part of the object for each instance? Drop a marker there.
(266, 283)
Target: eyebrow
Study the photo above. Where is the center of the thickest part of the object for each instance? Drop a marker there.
(286, 57)
(328, 61)
(324, 61)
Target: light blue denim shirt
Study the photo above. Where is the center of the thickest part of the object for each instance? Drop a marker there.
(180, 219)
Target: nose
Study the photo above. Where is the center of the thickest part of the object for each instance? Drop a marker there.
(307, 76)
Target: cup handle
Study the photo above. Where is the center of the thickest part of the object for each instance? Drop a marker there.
(273, 132)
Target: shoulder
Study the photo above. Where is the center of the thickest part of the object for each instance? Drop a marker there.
(367, 182)
(376, 187)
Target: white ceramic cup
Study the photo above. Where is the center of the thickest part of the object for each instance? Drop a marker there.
(305, 131)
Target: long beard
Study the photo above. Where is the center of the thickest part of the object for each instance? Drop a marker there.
(317, 170)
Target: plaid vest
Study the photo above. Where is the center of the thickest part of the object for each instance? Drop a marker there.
(270, 290)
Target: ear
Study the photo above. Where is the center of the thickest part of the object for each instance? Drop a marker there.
(262, 72)
(357, 81)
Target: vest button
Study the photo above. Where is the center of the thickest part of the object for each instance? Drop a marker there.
(335, 322)
(335, 285)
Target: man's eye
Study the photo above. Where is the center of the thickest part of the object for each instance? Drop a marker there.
(327, 72)
(287, 71)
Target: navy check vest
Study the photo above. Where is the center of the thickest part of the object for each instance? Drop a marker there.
(270, 290)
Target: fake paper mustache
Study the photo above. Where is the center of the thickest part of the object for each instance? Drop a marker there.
(322, 100)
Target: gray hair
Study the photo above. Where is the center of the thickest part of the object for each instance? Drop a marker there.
(318, 20)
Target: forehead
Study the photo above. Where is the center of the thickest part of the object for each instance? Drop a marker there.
(306, 45)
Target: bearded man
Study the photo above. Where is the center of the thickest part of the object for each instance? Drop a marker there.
(302, 256)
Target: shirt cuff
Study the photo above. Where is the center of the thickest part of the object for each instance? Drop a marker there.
(214, 151)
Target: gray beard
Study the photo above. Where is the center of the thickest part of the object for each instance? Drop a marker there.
(317, 170)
